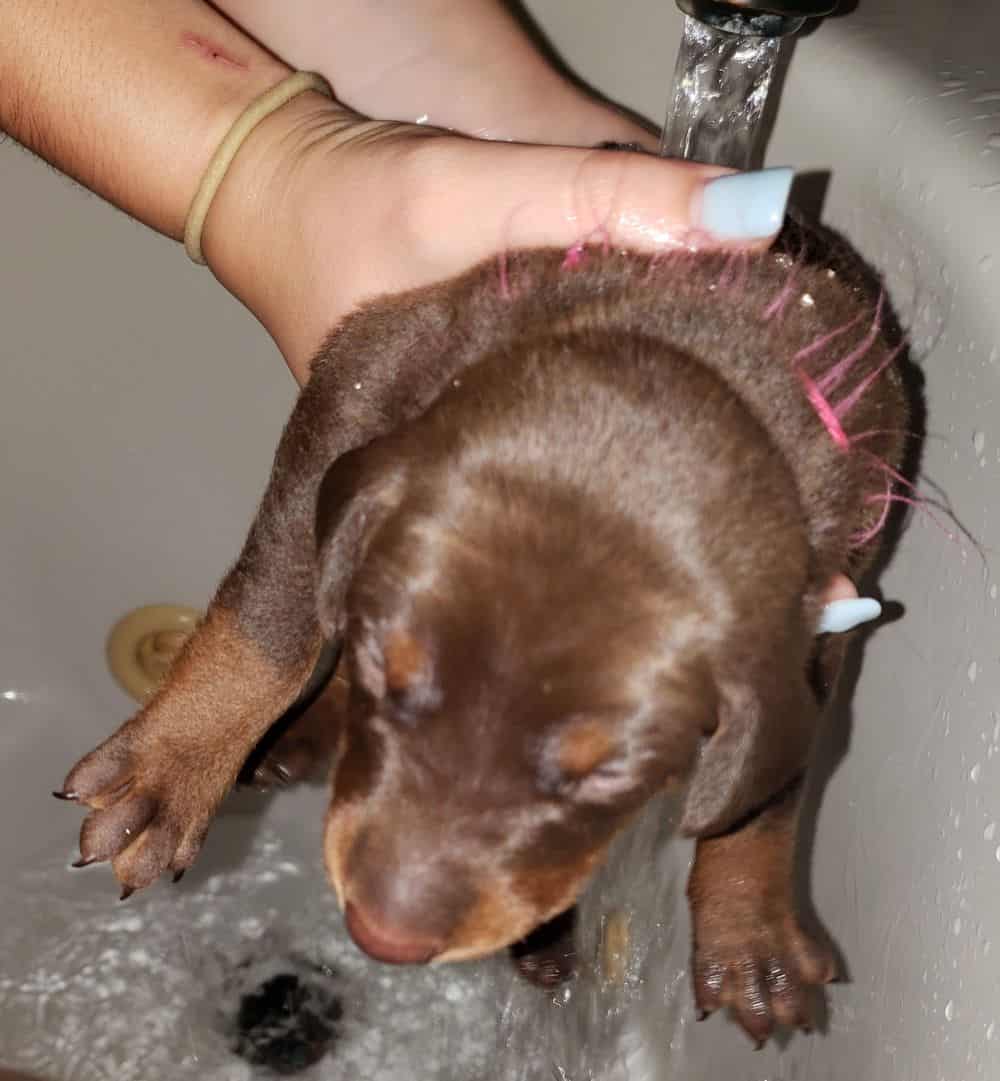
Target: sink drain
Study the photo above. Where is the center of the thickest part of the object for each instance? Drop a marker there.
(283, 1012)
(143, 644)
(286, 1024)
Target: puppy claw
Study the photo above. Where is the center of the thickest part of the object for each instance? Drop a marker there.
(178, 875)
(70, 797)
(270, 775)
(81, 862)
(126, 893)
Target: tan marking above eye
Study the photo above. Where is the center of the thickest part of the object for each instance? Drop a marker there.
(406, 660)
(583, 746)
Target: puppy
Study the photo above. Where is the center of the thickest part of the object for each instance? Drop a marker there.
(571, 518)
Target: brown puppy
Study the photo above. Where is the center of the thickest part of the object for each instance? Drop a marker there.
(572, 518)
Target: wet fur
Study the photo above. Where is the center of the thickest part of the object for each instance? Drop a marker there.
(572, 522)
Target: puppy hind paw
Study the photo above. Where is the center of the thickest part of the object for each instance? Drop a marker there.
(770, 979)
(547, 957)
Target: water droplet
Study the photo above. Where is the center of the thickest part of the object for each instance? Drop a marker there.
(973, 672)
(990, 832)
(997, 854)
(956, 927)
(991, 1029)
(979, 442)
(994, 592)
(949, 1011)
(975, 772)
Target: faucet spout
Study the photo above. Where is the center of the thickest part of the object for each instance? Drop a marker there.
(756, 18)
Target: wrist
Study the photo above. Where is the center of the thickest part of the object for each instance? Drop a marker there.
(209, 128)
(255, 238)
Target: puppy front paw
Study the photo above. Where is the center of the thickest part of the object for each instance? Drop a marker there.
(151, 802)
(764, 967)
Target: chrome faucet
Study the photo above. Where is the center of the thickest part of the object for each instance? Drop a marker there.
(756, 18)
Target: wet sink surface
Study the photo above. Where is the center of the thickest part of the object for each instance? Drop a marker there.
(158, 433)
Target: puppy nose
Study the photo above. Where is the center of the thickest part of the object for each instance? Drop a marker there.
(396, 948)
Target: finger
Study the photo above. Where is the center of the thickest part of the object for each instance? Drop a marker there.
(841, 616)
(551, 196)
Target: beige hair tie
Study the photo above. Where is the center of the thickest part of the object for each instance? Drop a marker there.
(258, 110)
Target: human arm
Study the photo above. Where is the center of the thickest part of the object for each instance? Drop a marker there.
(467, 65)
(321, 209)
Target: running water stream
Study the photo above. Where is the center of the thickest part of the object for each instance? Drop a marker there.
(721, 84)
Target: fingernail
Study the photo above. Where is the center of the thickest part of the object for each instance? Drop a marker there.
(746, 206)
(840, 616)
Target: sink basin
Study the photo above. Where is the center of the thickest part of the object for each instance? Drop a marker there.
(140, 409)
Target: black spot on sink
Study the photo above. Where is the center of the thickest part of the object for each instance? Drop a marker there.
(286, 1024)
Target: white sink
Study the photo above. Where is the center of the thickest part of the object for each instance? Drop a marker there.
(139, 410)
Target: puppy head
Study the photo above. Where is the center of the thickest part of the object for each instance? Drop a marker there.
(529, 665)
(527, 670)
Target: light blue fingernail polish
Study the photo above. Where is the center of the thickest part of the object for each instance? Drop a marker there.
(840, 616)
(742, 206)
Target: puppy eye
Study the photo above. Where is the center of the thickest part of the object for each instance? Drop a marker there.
(603, 783)
(398, 705)
(585, 748)
(410, 704)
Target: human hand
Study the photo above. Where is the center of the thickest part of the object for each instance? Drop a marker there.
(843, 609)
(466, 65)
(324, 209)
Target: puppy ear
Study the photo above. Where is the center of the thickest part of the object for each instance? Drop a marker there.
(356, 496)
(766, 725)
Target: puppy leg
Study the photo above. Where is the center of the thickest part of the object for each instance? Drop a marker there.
(154, 786)
(751, 952)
